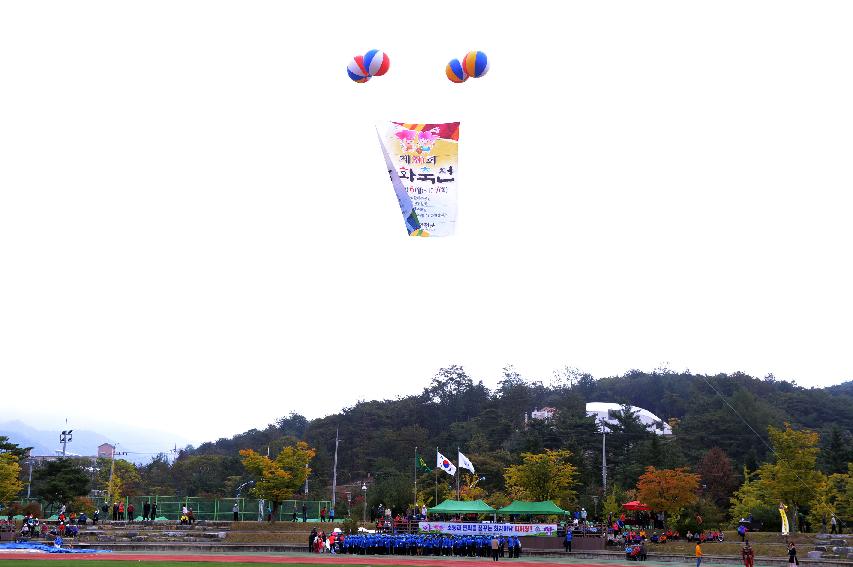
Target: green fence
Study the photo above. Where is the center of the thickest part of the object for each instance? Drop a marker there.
(221, 509)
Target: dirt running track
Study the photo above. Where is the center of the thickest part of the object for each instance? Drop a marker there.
(314, 560)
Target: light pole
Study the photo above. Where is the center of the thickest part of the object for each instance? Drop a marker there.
(335, 474)
(364, 492)
(65, 438)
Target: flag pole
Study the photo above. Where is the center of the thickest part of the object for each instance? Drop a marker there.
(458, 472)
(436, 479)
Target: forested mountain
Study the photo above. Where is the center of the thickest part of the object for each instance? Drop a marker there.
(493, 428)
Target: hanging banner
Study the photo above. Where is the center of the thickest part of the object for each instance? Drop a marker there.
(422, 161)
(459, 528)
(782, 512)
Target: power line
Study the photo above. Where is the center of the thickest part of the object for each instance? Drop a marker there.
(766, 444)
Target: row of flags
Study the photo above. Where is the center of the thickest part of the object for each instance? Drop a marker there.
(445, 464)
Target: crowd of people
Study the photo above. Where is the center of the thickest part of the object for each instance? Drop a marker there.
(120, 513)
(494, 546)
(34, 528)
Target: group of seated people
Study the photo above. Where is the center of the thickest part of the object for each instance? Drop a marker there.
(636, 552)
(187, 517)
(705, 536)
(35, 528)
(636, 535)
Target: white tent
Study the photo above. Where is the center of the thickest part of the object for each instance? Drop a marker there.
(604, 412)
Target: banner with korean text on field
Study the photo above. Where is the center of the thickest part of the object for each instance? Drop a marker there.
(457, 528)
(422, 161)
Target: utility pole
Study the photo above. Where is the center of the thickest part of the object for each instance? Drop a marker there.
(604, 461)
(335, 471)
(30, 481)
(112, 471)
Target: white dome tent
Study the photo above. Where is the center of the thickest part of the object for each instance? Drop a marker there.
(604, 412)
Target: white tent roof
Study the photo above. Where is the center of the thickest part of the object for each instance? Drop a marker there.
(601, 411)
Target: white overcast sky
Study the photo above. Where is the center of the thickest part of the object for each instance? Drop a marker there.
(197, 228)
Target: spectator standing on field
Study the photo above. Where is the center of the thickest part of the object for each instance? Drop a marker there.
(748, 555)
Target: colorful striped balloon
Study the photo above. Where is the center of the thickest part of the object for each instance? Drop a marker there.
(376, 62)
(476, 64)
(456, 72)
(357, 71)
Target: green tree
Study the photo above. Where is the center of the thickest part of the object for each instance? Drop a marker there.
(277, 479)
(10, 471)
(157, 476)
(793, 477)
(126, 480)
(626, 435)
(844, 487)
(837, 452)
(543, 476)
(823, 503)
(60, 481)
(204, 475)
(7, 446)
(392, 489)
(746, 499)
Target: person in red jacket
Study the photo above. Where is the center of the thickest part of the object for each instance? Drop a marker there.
(748, 555)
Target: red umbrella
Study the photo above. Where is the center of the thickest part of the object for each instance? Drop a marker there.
(635, 505)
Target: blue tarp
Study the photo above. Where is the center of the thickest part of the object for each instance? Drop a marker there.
(49, 548)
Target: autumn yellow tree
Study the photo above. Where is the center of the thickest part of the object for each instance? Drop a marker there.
(119, 478)
(668, 490)
(10, 470)
(793, 477)
(747, 498)
(543, 476)
(277, 479)
(469, 489)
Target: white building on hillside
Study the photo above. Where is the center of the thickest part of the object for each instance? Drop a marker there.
(543, 414)
(604, 414)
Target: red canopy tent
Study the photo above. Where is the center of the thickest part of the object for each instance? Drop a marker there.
(636, 505)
